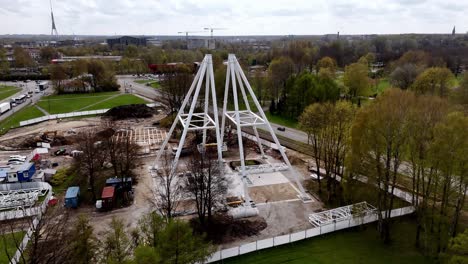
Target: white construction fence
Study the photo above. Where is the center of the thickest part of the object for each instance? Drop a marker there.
(301, 235)
(68, 115)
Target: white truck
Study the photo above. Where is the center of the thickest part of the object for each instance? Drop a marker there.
(4, 107)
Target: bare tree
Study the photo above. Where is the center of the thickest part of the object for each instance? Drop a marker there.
(206, 183)
(48, 241)
(91, 161)
(170, 189)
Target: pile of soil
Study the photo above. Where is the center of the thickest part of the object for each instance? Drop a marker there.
(224, 229)
(130, 111)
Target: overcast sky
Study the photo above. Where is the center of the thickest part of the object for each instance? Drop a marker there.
(239, 17)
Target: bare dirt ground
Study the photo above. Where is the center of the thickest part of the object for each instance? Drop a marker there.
(130, 215)
(272, 193)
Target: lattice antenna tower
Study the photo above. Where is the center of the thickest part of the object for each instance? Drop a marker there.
(53, 31)
(236, 79)
(192, 121)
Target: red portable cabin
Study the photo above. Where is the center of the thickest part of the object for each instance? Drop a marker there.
(107, 197)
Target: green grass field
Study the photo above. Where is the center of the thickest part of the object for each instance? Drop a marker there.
(7, 242)
(152, 83)
(29, 112)
(7, 91)
(348, 246)
(282, 121)
(381, 86)
(56, 104)
(123, 99)
(143, 81)
(155, 85)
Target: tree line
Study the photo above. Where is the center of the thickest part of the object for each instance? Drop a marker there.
(61, 238)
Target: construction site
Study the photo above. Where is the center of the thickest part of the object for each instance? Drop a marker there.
(264, 190)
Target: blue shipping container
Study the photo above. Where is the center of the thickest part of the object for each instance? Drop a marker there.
(72, 197)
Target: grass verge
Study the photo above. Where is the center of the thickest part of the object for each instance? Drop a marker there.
(357, 245)
(124, 99)
(57, 104)
(282, 121)
(28, 112)
(7, 91)
(8, 244)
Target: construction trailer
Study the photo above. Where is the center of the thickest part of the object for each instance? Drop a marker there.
(108, 198)
(120, 184)
(21, 173)
(72, 197)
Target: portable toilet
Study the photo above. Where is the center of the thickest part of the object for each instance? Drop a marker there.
(107, 197)
(72, 197)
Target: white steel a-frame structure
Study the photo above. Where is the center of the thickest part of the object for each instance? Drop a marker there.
(236, 79)
(197, 121)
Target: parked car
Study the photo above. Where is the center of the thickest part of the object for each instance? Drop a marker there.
(60, 152)
(14, 162)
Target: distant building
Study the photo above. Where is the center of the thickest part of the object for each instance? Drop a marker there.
(35, 54)
(154, 42)
(200, 43)
(127, 40)
(94, 57)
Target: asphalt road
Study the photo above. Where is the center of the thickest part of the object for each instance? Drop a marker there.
(25, 88)
(127, 82)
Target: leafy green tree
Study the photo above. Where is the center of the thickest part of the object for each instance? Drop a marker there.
(58, 74)
(150, 227)
(169, 241)
(378, 138)
(458, 249)
(4, 64)
(327, 63)
(434, 81)
(131, 51)
(280, 70)
(117, 246)
(459, 95)
(356, 80)
(449, 154)
(83, 246)
(404, 76)
(146, 255)
(22, 58)
(48, 53)
(328, 125)
(416, 57)
(181, 245)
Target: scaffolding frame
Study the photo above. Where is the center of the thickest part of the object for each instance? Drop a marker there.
(341, 214)
(236, 79)
(192, 121)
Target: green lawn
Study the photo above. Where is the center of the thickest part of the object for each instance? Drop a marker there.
(123, 99)
(155, 85)
(282, 121)
(143, 81)
(347, 246)
(7, 91)
(29, 112)
(7, 242)
(381, 86)
(57, 104)
(152, 83)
